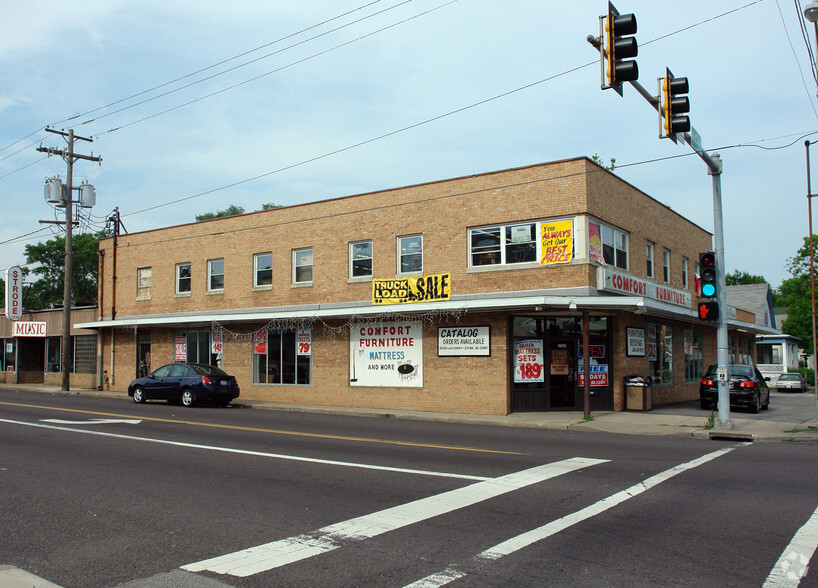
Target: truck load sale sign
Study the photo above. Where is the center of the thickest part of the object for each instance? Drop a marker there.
(408, 290)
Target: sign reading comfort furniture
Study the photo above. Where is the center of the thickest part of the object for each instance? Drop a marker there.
(407, 290)
(386, 354)
(612, 281)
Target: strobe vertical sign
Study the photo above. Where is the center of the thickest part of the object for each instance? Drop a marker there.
(14, 293)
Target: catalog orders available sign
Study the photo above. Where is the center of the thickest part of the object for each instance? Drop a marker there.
(386, 354)
(463, 341)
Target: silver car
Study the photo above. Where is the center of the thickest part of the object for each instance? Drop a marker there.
(791, 383)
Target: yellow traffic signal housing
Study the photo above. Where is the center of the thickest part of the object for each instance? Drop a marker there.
(619, 46)
(674, 106)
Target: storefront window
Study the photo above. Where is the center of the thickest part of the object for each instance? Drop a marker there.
(694, 359)
(660, 353)
(280, 357)
(85, 354)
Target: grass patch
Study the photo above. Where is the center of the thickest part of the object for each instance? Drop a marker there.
(808, 429)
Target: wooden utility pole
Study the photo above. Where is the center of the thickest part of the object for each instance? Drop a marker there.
(70, 157)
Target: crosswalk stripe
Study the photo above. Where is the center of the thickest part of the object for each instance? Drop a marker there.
(454, 572)
(279, 553)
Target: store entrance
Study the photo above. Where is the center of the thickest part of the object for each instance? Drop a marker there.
(561, 382)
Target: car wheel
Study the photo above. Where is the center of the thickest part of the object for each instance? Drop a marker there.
(187, 397)
(138, 395)
(757, 405)
(704, 404)
(767, 403)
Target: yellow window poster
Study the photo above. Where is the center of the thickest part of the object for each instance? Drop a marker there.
(407, 290)
(557, 242)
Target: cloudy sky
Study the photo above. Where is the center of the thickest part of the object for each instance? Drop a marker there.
(197, 105)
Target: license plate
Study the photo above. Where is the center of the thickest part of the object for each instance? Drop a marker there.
(223, 382)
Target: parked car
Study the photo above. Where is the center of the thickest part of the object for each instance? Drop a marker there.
(188, 383)
(747, 388)
(791, 383)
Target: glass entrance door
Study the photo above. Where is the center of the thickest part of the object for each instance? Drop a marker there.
(561, 373)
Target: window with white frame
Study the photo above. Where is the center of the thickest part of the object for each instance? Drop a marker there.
(143, 283)
(263, 270)
(183, 278)
(360, 259)
(410, 254)
(503, 244)
(649, 258)
(666, 266)
(302, 266)
(215, 275)
(614, 246)
(685, 265)
(278, 358)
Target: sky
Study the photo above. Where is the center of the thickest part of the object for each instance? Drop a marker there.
(198, 105)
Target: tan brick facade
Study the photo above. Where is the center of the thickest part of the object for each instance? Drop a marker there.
(442, 212)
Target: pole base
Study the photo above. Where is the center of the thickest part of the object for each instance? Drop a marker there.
(724, 425)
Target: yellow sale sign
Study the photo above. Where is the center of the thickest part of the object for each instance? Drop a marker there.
(557, 242)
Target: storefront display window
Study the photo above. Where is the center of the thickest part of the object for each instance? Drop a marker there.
(660, 353)
(282, 357)
(694, 362)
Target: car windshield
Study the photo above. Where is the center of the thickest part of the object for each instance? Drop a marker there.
(742, 370)
(207, 370)
(792, 377)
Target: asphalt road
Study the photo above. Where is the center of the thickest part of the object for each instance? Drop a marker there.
(100, 492)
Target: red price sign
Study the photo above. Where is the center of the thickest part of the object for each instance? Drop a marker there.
(528, 361)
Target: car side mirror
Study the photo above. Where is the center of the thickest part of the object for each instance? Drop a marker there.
(766, 378)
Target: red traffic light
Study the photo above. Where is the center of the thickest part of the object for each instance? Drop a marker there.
(708, 311)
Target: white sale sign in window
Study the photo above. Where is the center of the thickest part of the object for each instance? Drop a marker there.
(528, 361)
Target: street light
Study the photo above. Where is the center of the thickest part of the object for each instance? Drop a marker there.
(811, 12)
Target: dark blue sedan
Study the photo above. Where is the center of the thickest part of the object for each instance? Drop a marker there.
(187, 383)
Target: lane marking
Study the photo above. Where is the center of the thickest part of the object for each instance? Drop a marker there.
(92, 422)
(279, 553)
(793, 564)
(454, 572)
(251, 453)
(273, 431)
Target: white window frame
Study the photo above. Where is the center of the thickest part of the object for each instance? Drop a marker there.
(649, 248)
(298, 264)
(144, 277)
(257, 257)
(500, 252)
(401, 254)
(179, 278)
(666, 266)
(616, 242)
(211, 274)
(355, 248)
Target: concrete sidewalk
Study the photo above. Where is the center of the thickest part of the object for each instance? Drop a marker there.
(663, 420)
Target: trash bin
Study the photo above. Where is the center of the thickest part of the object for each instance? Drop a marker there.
(637, 392)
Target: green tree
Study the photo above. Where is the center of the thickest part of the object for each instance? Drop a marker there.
(270, 206)
(796, 294)
(598, 160)
(48, 260)
(231, 210)
(739, 278)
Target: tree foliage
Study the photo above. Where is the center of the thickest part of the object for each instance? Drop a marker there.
(48, 260)
(231, 210)
(739, 278)
(796, 294)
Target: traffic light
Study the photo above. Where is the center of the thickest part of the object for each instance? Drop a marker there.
(707, 274)
(709, 311)
(675, 105)
(618, 48)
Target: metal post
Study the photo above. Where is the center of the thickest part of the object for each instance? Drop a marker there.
(66, 300)
(812, 280)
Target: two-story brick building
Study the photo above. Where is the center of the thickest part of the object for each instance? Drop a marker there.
(472, 294)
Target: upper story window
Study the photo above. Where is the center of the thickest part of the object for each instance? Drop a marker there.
(666, 266)
(410, 254)
(302, 266)
(143, 283)
(215, 275)
(649, 257)
(183, 278)
(360, 259)
(503, 244)
(614, 245)
(262, 270)
(685, 264)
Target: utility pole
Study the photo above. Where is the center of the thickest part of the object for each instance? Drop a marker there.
(70, 157)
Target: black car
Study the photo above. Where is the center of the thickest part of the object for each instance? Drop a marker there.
(747, 388)
(187, 383)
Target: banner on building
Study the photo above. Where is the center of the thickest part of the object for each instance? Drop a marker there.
(28, 329)
(595, 243)
(528, 361)
(557, 239)
(408, 290)
(216, 342)
(303, 342)
(260, 342)
(180, 348)
(598, 373)
(386, 354)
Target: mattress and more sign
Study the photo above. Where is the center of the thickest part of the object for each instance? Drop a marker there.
(388, 354)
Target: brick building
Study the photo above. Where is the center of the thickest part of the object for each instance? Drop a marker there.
(472, 294)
